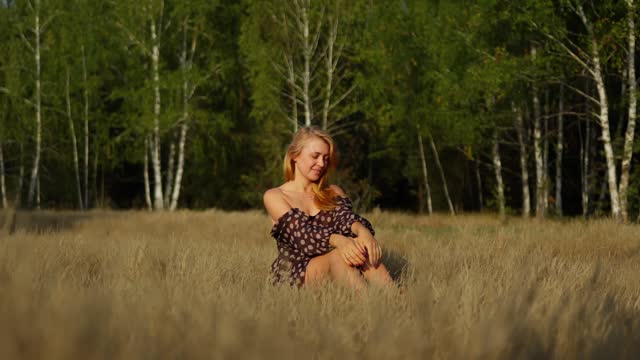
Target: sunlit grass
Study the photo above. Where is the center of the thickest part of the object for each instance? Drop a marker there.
(195, 285)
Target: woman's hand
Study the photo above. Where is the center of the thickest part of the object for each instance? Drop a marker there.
(370, 244)
(350, 251)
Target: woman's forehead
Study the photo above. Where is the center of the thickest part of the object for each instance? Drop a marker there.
(317, 145)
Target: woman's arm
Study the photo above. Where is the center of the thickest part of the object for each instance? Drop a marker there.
(312, 240)
(275, 205)
(356, 226)
(350, 223)
(289, 226)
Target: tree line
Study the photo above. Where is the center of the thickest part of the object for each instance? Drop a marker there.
(522, 107)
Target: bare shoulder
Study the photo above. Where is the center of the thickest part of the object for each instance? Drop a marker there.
(338, 190)
(273, 197)
(272, 194)
(275, 204)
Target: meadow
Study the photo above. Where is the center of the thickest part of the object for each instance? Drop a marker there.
(195, 285)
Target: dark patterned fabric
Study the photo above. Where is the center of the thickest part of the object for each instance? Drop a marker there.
(300, 237)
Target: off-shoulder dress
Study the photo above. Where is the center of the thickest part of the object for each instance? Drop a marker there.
(300, 237)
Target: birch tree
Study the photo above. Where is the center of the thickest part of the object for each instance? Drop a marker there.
(442, 176)
(143, 25)
(425, 177)
(559, 151)
(311, 63)
(524, 170)
(590, 60)
(497, 168)
(537, 147)
(85, 93)
(585, 166)
(147, 192)
(72, 133)
(191, 27)
(32, 40)
(16, 104)
(627, 152)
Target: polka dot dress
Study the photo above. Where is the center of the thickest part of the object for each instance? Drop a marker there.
(300, 237)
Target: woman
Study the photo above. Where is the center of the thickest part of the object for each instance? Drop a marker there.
(317, 232)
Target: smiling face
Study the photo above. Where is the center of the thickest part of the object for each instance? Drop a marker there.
(313, 160)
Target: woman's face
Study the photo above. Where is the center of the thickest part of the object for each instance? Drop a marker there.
(313, 159)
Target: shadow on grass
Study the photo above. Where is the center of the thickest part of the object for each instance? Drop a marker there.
(38, 221)
(396, 263)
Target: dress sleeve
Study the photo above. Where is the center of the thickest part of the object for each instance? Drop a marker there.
(296, 230)
(346, 217)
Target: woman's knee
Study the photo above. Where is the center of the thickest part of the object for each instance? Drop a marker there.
(336, 260)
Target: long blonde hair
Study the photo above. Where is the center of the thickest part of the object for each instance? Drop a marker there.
(324, 196)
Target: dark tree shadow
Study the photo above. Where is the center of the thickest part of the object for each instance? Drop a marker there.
(396, 263)
(38, 221)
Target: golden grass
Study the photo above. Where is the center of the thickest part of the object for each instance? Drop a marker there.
(111, 285)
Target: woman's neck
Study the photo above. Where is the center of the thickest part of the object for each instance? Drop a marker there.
(302, 186)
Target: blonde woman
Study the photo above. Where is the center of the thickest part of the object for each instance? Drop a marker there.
(318, 234)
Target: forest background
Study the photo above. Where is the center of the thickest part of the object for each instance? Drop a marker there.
(524, 107)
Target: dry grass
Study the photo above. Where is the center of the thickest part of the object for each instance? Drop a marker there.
(195, 285)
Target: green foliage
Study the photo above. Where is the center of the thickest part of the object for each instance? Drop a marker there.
(449, 69)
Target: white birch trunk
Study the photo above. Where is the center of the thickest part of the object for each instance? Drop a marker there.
(524, 171)
(307, 54)
(294, 98)
(537, 148)
(95, 173)
(425, 176)
(38, 192)
(603, 118)
(559, 152)
(170, 170)
(147, 192)
(497, 166)
(3, 188)
(627, 152)
(86, 129)
(18, 200)
(180, 169)
(545, 151)
(74, 142)
(155, 160)
(36, 161)
(606, 139)
(187, 92)
(444, 180)
(330, 67)
(584, 156)
(288, 71)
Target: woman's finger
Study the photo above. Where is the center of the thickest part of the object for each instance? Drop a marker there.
(371, 251)
(354, 257)
(359, 255)
(360, 247)
(374, 255)
(345, 257)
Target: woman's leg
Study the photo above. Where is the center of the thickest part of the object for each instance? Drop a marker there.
(318, 270)
(378, 276)
(332, 264)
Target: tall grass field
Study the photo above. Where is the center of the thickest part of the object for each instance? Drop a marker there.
(195, 285)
